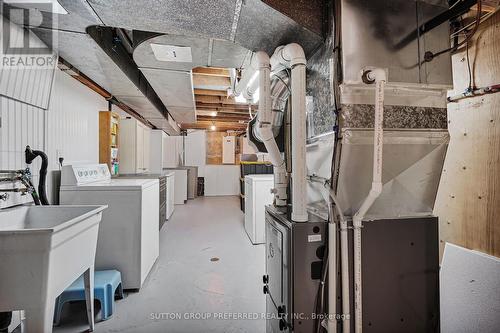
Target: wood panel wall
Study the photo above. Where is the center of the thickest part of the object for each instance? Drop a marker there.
(468, 201)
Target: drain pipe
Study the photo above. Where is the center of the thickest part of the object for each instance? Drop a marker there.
(344, 268)
(261, 63)
(292, 56)
(377, 76)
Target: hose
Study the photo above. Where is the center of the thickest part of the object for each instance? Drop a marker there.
(29, 185)
(30, 155)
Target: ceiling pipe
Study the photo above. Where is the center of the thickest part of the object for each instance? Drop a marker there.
(292, 57)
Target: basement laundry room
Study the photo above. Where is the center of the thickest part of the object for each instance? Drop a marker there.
(250, 166)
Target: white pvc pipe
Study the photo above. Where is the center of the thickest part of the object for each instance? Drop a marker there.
(292, 56)
(332, 277)
(379, 76)
(344, 266)
(264, 117)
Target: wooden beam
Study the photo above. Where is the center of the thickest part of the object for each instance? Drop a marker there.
(214, 71)
(210, 92)
(220, 126)
(211, 81)
(223, 112)
(241, 107)
(209, 99)
(223, 119)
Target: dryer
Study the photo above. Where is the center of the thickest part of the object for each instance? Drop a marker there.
(128, 234)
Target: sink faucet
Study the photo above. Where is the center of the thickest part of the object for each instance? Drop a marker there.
(24, 176)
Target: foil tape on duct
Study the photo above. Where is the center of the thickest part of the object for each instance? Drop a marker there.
(412, 165)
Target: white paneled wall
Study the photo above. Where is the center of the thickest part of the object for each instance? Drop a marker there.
(49, 111)
(221, 180)
(24, 97)
(73, 122)
(196, 150)
(68, 129)
(21, 125)
(28, 85)
(172, 151)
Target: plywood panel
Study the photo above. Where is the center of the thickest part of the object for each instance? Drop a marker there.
(468, 201)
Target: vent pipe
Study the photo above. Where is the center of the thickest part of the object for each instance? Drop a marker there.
(292, 56)
(260, 66)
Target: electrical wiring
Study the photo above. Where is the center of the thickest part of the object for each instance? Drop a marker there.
(484, 18)
(468, 65)
(429, 56)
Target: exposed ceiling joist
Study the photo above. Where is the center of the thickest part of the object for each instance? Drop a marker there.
(220, 126)
(210, 92)
(212, 71)
(223, 119)
(201, 81)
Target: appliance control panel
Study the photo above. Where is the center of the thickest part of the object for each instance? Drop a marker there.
(84, 174)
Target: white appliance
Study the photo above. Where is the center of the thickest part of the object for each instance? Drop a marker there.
(128, 233)
(157, 150)
(180, 185)
(257, 196)
(134, 143)
(170, 194)
(228, 149)
(192, 179)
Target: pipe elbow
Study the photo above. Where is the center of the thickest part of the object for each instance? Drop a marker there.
(266, 133)
(287, 56)
(294, 54)
(374, 75)
(260, 60)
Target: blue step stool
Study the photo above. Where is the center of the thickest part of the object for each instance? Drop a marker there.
(106, 284)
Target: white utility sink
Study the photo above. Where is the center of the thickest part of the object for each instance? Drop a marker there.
(43, 249)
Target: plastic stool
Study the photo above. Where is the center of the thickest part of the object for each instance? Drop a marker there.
(106, 283)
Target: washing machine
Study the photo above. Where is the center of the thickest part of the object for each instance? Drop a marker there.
(128, 235)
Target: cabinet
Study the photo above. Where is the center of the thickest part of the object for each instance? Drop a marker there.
(135, 142)
(109, 125)
(170, 194)
(157, 151)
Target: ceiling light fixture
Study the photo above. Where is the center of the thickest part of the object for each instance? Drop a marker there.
(213, 113)
(213, 127)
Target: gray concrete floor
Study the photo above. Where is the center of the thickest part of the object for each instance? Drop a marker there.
(185, 281)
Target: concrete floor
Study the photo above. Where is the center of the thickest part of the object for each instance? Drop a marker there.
(185, 281)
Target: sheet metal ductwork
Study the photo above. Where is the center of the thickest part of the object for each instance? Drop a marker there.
(228, 26)
(172, 80)
(280, 92)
